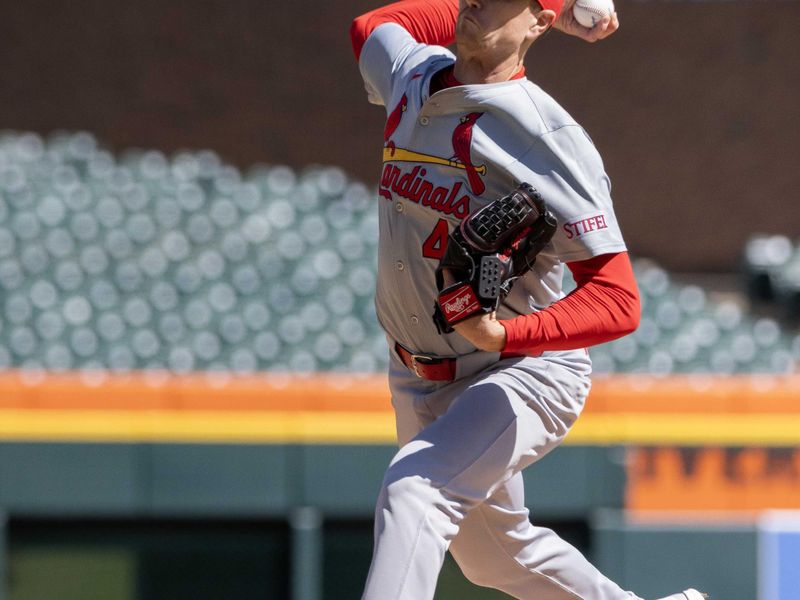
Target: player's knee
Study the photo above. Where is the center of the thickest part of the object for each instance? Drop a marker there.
(417, 493)
(407, 473)
(402, 490)
(475, 570)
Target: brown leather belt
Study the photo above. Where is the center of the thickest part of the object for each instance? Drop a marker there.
(427, 367)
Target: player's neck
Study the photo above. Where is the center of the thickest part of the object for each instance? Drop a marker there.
(481, 69)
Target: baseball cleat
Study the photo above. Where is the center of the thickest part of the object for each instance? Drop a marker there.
(690, 594)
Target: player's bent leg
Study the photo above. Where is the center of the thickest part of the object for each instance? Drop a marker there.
(492, 430)
(498, 547)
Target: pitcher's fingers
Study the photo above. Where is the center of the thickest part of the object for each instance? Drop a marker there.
(607, 26)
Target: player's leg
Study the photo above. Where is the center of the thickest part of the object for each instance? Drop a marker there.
(498, 547)
(411, 417)
(496, 426)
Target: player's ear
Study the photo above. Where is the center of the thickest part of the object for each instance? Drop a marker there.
(543, 20)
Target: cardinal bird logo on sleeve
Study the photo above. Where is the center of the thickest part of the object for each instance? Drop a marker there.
(394, 118)
(462, 145)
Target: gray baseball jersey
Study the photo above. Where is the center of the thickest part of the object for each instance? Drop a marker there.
(446, 156)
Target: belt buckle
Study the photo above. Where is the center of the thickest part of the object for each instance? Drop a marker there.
(423, 360)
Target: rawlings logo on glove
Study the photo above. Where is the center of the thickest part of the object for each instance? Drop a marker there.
(485, 255)
(461, 302)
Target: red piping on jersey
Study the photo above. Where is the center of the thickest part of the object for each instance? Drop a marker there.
(603, 307)
(445, 78)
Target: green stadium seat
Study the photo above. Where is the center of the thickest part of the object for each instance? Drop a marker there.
(83, 226)
(315, 316)
(328, 348)
(111, 327)
(103, 294)
(137, 312)
(232, 329)
(303, 361)
(661, 363)
(180, 359)
(163, 296)
(22, 341)
(58, 357)
(83, 342)
(243, 361)
(68, 275)
(120, 358)
(305, 280)
(766, 333)
(206, 346)
(172, 328)
(188, 278)
(314, 229)
(11, 275)
(33, 258)
(267, 346)
(291, 330)
(49, 325)
(198, 314)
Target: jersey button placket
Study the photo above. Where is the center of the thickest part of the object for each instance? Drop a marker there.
(414, 320)
(399, 207)
(400, 266)
(423, 120)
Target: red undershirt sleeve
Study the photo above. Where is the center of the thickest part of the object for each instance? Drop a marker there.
(604, 306)
(428, 21)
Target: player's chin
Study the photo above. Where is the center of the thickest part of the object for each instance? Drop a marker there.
(471, 38)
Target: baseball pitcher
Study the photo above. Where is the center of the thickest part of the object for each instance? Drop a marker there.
(488, 190)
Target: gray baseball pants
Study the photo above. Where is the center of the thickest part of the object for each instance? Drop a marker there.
(456, 483)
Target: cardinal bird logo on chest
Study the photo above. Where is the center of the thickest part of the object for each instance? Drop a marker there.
(416, 184)
(462, 146)
(394, 118)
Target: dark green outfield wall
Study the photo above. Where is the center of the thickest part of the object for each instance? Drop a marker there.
(656, 560)
(203, 480)
(205, 522)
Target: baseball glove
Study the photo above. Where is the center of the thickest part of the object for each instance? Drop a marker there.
(489, 250)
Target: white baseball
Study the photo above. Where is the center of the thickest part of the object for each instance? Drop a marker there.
(589, 12)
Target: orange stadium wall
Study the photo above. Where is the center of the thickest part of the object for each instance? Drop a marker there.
(692, 104)
(696, 445)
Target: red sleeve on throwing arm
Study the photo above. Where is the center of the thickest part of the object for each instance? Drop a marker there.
(603, 307)
(428, 21)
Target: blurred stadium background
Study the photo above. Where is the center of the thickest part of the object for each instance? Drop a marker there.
(192, 397)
